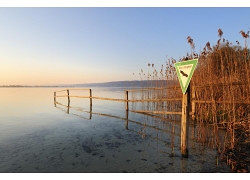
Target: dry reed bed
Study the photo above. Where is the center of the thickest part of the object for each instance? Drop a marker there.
(220, 93)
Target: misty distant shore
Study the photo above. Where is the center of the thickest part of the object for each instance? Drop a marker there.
(143, 83)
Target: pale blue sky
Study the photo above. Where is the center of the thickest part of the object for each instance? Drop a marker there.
(79, 45)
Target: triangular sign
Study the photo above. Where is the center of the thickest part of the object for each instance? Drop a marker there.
(185, 70)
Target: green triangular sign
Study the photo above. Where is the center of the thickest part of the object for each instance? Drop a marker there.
(185, 72)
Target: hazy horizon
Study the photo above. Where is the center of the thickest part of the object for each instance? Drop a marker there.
(108, 83)
(47, 46)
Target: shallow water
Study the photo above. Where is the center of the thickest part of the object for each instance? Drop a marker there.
(37, 135)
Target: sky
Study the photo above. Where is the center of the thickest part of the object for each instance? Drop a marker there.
(47, 46)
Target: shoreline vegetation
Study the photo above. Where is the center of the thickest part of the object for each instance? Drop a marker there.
(220, 92)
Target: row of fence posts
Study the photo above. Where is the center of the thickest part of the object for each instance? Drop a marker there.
(184, 117)
(68, 95)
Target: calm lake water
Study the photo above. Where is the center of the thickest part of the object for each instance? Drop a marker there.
(38, 136)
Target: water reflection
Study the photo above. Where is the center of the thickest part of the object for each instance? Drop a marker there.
(66, 109)
(126, 119)
(165, 130)
(59, 136)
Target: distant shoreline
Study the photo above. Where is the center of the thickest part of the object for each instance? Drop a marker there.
(30, 86)
(143, 83)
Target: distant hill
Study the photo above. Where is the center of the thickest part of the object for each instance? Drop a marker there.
(144, 83)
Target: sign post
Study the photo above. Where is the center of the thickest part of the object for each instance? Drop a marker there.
(185, 72)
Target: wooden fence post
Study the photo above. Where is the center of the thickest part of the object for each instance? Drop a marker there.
(126, 100)
(90, 98)
(68, 95)
(68, 101)
(90, 103)
(126, 123)
(55, 98)
(184, 122)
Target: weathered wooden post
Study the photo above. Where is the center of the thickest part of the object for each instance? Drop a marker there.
(127, 108)
(126, 100)
(68, 95)
(126, 123)
(184, 122)
(90, 115)
(68, 101)
(185, 70)
(90, 99)
(90, 103)
(55, 99)
(68, 108)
